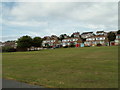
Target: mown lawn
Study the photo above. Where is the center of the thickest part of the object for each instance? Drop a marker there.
(88, 67)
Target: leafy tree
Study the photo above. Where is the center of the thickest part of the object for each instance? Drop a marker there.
(58, 38)
(72, 35)
(10, 41)
(44, 38)
(111, 37)
(24, 42)
(83, 39)
(54, 36)
(118, 32)
(63, 36)
(37, 42)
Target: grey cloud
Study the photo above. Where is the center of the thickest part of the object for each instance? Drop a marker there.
(65, 15)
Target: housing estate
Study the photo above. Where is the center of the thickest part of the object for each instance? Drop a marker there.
(76, 40)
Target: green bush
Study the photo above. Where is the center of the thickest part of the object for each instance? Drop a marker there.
(99, 44)
(72, 45)
(8, 49)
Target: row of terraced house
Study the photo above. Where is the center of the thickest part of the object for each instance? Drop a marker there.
(76, 40)
(90, 38)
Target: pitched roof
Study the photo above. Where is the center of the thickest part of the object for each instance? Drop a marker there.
(97, 36)
(118, 35)
(76, 33)
(86, 33)
(99, 31)
(71, 38)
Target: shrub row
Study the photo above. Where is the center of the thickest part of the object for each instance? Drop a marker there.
(8, 49)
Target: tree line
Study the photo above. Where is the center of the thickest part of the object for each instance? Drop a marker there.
(26, 42)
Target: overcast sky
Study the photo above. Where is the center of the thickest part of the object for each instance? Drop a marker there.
(55, 18)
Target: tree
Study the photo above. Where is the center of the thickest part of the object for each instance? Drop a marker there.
(72, 35)
(83, 39)
(63, 36)
(37, 42)
(24, 42)
(111, 37)
(118, 32)
(8, 49)
(10, 41)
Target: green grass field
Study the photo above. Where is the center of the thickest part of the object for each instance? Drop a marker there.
(88, 67)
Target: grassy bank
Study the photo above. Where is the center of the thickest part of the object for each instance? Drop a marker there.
(89, 67)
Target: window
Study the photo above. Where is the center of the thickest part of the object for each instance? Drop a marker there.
(116, 41)
(75, 42)
(117, 37)
(90, 38)
(100, 38)
(68, 43)
(64, 40)
(93, 38)
(97, 38)
(87, 39)
(103, 38)
(44, 41)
